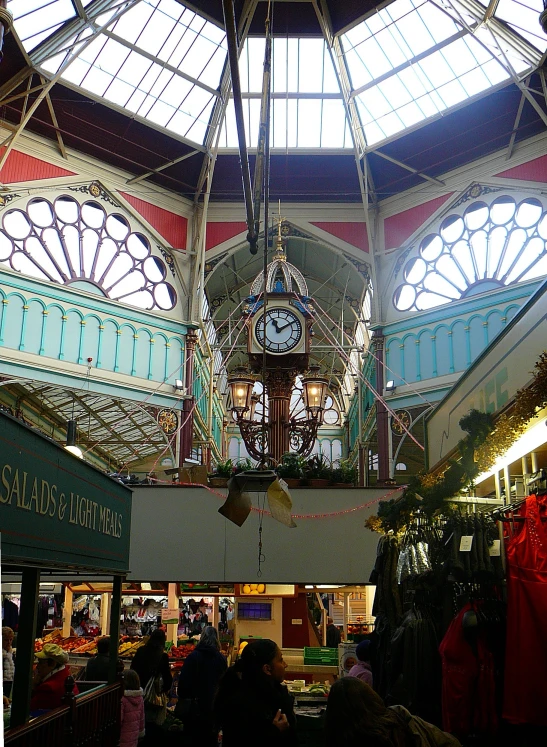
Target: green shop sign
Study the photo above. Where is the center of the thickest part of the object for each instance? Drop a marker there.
(56, 510)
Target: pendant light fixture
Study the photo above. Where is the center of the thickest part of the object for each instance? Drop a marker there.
(71, 444)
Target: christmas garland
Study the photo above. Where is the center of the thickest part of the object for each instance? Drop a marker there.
(485, 443)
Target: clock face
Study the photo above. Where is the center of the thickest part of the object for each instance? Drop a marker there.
(283, 330)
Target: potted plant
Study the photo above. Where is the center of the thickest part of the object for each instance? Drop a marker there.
(221, 475)
(291, 469)
(318, 471)
(243, 465)
(344, 474)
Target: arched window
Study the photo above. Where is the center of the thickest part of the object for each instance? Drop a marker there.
(488, 247)
(84, 246)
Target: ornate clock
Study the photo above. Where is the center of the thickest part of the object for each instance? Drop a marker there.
(283, 329)
(404, 419)
(168, 421)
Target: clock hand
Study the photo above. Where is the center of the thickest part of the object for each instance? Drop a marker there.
(275, 324)
(280, 329)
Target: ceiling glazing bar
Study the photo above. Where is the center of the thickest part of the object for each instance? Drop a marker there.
(409, 63)
(54, 44)
(162, 168)
(161, 63)
(409, 168)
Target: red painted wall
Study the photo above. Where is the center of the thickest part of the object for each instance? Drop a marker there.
(353, 232)
(20, 167)
(295, 636)
(399, 227)
(171, 226)
(534, 171)
(219, 231)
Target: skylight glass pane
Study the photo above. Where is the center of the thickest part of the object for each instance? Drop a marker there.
(309, 123)
(35, 20)
(279, 123)
(522, 16)
(310, 74)
(334, 130)
(77, 71)
(117, 68)
(131, 25)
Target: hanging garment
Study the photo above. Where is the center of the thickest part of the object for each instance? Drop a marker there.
(414, 666)
(10, 614)
(525, 692)
(469, 682)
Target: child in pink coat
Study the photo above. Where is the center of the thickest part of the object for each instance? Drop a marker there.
(132, 723)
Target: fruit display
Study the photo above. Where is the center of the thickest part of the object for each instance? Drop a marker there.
(254, 588)
(126, 650)
(67, 644)
(179, 653)
(89, 647)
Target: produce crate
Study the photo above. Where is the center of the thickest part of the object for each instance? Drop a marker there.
(315, 655)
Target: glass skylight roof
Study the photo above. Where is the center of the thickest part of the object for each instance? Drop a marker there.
(307, 105)
(159, 60)
(411, 60)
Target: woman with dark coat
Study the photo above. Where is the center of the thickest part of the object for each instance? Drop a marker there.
(252, 706)
(149, 661)
(356, 715)
(198, 683)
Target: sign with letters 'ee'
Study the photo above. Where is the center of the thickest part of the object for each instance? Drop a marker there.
(56, 510)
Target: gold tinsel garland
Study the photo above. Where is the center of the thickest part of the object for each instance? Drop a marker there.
(508, 428)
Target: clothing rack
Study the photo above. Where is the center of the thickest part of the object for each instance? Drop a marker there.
(500, 514)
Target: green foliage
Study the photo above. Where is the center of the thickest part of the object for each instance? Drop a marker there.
(243, 465)
(291, 465)
(318, 466)
(345, 472)
(224, 469)
(430, 494)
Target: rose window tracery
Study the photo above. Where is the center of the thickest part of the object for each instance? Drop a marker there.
(80, 244)
(488, 247)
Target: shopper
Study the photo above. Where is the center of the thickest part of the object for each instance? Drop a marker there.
(8, 665)
(97, 667)
(333, 634)
(149, 661)
(132, 717)
(362, 669)
(49, 678)
(356, 715)
(253, 707)
(198, 683)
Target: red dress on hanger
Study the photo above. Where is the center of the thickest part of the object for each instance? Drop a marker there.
(525, 686)
(469, 685)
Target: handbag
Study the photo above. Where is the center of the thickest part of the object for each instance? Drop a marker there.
(153, 694)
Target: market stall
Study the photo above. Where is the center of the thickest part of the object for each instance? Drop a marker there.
(58, 515)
